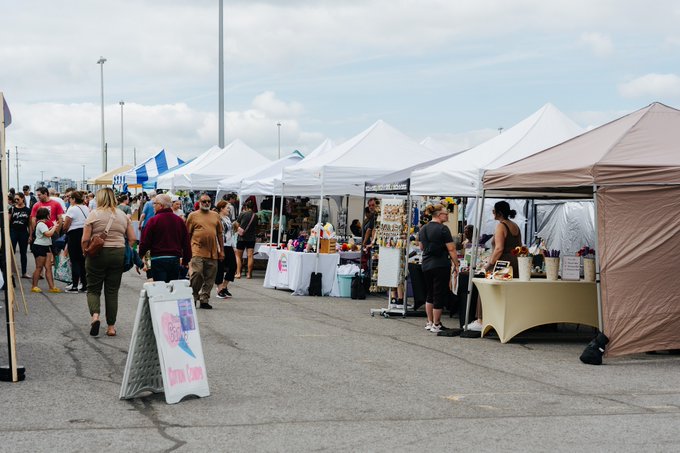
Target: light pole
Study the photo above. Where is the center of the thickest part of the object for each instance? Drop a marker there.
(122, 152)
(279, 126)
(101, 62)
(221, 76)
(42, 177)
(83, 185)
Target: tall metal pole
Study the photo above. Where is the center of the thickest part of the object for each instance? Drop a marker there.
(83, 185)
(101, 62)
(134, 156)
(279, 126)
(122, 149)
(221, 76)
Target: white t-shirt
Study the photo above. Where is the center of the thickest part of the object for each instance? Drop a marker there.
(78, 214)
(60, 201)
(40, 238)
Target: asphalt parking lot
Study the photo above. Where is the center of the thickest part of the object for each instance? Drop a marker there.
(291, 373)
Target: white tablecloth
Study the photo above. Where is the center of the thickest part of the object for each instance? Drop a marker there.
(292, 270)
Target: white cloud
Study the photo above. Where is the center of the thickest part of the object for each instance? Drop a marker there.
(59, 138)
(601, 45)
(656, 86)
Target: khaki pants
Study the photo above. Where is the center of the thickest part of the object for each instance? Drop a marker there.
(105, 270)
(203, 272)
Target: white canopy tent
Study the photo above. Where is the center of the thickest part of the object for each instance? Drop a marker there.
(238, 158)
(439, 147)
(180, 178)
(269, 170)
(461, 174)
(205, 172)
(377, 151)
(272, 184)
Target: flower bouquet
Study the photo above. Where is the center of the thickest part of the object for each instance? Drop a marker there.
(552, 264)
(524, 262)
(588, 255)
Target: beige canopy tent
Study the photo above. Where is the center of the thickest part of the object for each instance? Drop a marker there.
(106, 179)
(631, 167)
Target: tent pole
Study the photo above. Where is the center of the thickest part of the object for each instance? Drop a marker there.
(407, 245)
(479, 203)
(278, 241)
(346, 215)
(271, 221)
(318, 237)
(600, 321)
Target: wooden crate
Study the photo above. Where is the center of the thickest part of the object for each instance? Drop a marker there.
(327, 245)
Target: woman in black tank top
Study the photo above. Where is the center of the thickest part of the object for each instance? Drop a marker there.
(506, 237)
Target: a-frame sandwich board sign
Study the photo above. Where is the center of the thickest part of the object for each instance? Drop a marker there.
(166, 354)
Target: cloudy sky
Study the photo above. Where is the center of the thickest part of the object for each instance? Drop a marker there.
(452, 70)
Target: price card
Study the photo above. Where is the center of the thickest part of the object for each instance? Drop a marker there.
(571, 268)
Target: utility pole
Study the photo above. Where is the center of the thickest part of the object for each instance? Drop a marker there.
(101, 62)
(135, 156)
(16, 158)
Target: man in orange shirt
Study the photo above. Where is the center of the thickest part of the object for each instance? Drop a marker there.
(204, 228)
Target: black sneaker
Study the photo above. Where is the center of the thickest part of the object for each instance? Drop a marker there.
(220, 295)
(206, 305)
(71, 290)
(226, 292)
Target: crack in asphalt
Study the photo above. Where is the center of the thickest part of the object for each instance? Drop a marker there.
(144, 407)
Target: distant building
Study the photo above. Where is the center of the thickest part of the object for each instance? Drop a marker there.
(59, 184)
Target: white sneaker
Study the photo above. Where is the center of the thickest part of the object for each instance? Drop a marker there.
(475, 326)
(428, 326)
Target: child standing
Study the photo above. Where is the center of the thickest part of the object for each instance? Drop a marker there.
(40, 248)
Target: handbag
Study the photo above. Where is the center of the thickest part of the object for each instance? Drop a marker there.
(62, 268)
(240, 230)
(97, 241)
(129, 257)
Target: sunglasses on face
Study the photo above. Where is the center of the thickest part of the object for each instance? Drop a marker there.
(205, 201)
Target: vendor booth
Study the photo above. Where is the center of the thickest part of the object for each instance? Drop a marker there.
(631, 167)
(342, 171)
(461, 174)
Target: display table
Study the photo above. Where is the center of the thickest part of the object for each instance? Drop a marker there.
(511, 307)
(292, 270)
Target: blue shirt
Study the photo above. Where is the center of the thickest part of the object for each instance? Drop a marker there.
(148, 212)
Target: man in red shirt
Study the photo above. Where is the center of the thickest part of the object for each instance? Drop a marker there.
(53, 206)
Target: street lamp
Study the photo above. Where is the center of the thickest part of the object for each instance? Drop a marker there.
(101, 62)
(279, 126)
(83, 185)
(122, 155)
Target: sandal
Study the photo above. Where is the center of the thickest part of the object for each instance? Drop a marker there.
(94, 328)
(111, 331)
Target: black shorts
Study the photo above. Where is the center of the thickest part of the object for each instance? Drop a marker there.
(437, 286)
(243, 245)
(40, 250)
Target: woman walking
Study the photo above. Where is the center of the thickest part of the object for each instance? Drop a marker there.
(41, 247)
(226, 268)
(18, 231)
(74, 222)
(246, 241)
(106, 268)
